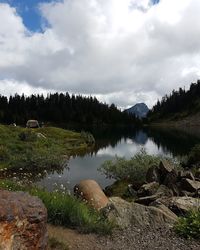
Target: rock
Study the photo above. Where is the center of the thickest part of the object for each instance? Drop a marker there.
(32, 124)
(132, 191)
(181, 205)
(165, 168)
(186, 175)
(197, 174)
(186, 193)
(153, 174)
(171, 178)
(91, 192)
(22, 222)
(165, 209)
(190, 185)
(147, 199)
(41, 136)
(148, 189)
(129, 213)
(164, 191)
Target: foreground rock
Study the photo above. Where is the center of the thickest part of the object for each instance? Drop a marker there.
(22, 222)
(129, 213)
(91, 192)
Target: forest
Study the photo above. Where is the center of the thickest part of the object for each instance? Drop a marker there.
(180, 101)
(62, 108)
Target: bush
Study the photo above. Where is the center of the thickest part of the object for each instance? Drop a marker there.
(194, 155)
(134, 169)
(189, 226)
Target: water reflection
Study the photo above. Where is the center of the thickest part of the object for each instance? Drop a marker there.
(125, 145)
(110, 142)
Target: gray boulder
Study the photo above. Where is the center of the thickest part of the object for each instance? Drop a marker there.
(129, 213)
(179, 205)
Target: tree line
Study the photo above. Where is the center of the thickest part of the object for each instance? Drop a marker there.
(62, 108)
(180, 101)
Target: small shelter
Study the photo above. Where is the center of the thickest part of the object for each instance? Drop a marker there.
(32, 124)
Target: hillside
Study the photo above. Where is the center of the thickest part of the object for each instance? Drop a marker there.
(180, 107)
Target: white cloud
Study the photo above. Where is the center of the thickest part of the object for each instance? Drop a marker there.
(123, 51)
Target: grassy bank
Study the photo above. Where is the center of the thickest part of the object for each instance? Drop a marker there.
(39, 148)
(66, 210)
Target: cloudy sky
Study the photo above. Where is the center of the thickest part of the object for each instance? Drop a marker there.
(122, 51)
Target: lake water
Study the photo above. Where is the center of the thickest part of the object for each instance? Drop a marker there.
(124, 143)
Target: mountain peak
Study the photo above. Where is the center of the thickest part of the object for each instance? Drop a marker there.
(140, 110)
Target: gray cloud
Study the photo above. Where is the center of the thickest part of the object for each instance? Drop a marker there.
(119, 51)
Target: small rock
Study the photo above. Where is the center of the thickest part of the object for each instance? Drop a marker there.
(181, 205)
(197, 174)
(165, 168)
(164, 191)
(186, 175)
(147, 199)
(190, 185)
(171, 178)
(153, 174)
(148, 189)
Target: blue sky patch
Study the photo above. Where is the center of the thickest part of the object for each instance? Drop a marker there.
(28, 10)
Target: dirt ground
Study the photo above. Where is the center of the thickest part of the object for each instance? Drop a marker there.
(128, 239)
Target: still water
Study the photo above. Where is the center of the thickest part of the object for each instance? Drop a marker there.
(124, 143)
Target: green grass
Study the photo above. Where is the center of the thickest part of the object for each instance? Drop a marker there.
(66, 210)
(39, 148)
(189, 226)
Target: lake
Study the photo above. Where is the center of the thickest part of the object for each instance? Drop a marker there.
(121, 142)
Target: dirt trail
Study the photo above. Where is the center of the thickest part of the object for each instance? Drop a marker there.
(130, 239)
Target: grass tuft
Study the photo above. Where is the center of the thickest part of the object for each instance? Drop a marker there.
(189, 225)
(66, 210)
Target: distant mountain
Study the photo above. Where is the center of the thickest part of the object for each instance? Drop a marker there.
(140, 110)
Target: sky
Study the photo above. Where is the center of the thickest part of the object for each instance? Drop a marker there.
(121, 51)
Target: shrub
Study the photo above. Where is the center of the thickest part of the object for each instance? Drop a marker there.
(194, 155)
(134, 169)
(189, 226)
